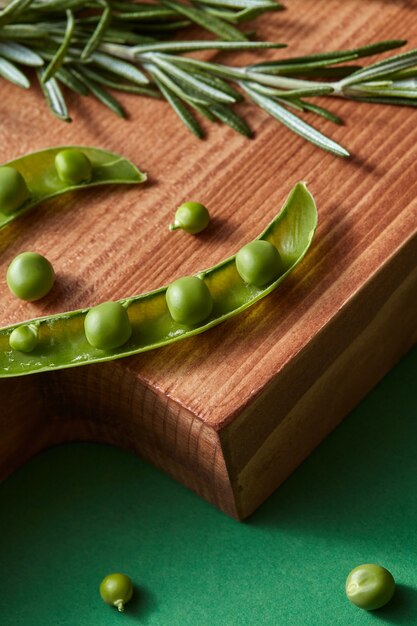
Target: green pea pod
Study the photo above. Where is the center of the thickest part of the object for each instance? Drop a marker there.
(41, 177)
(62, 341)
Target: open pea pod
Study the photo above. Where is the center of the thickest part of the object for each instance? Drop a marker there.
(41, 177)
(62, 340)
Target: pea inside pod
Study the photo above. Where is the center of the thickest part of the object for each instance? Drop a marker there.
(39, 176)
(13, 190)
(24, 338)
(107, 326)
(189, 300)
(258, 263)
(66, 338)
(73, 166)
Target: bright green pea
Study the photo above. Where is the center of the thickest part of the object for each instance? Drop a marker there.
(370, 586)
(73, 166)
(107, 326)
(116, 589)
(189, 300)
(13, 190)
(24, 338)
(258, 263)
(192, 217)
(30, 276)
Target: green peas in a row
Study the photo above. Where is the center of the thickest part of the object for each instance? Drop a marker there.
(30, 277)
(72, 166)
(188, 299)
(107, 325)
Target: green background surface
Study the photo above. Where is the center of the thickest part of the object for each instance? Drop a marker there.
(78, 512)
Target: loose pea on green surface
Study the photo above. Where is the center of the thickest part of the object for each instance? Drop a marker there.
(13, 190)
(189, 300)
(116, 589)
(258, 263)
(370, 586)
(107, 326)
(73, 166)
(56, 171)
(65, 343)
(192, 217)
(30, 276)
(24, 338)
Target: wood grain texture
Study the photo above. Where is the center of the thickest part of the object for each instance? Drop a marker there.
(231, 412)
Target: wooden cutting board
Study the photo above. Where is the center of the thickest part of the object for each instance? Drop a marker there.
(230, 413)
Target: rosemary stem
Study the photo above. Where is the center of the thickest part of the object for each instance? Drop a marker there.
(338, 89)
(224, 71)
(282, 81)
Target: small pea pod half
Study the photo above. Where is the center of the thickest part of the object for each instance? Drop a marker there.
(62, 340)
(40, 179)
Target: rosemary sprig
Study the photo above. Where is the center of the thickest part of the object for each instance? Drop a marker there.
(285, 84)
(127, 46)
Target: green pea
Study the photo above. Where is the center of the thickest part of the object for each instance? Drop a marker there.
(258, 263)
(189, 300)
(24, 338)
(107, 326)
(13, 189)
(30, 276)
(116, 589)
(370, 586)
(192, 217)
(73, 166)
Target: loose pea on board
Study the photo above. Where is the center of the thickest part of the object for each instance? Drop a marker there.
(43, 175)
(30, 276)
(64, 340)
(192, 217)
